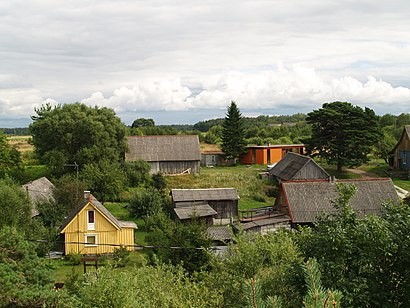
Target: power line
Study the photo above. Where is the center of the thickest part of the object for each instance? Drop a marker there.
(140, 247)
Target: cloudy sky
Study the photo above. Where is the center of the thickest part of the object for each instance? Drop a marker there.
(184, 61)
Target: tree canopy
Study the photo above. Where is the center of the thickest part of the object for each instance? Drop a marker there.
(10, 161)
(343, 134)
(76, 133)
(233, 140)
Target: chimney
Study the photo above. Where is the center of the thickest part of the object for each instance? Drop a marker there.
(87, 195)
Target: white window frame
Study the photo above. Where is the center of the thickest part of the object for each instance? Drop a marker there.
(85, 240)
(90, 226)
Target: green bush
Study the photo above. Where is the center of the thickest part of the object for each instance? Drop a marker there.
(73, 258)
(120, 257)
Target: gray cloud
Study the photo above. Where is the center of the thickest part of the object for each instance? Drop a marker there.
(155, 55)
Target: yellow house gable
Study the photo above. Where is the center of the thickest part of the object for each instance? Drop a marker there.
(79, 221)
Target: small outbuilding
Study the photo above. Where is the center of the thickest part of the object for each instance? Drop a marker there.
(297, 167)
(168, 154)
(269, 154)
(400, 156)
(40, 190)
(222, 200)
(91, 229)
(200, 211)
(266, 225)
(304, 201)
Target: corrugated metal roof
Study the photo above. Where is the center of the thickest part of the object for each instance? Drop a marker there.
(209, 194)
(307, 199)
(291, 164)
(39, 190)
(163, 148)
(198, 210)
(118, 223)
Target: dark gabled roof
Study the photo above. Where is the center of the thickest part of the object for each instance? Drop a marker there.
(219, 233)
(163, 148)
(308, 199)
(39, 190)
(209, 194)
(287, 168)
(276, 146)
(405, 134)
(198, 210)
(97, 205)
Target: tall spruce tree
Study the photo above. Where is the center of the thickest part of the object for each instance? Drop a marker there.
(233, 140)
(343, 134)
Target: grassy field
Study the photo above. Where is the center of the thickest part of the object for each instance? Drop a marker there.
(243, 178)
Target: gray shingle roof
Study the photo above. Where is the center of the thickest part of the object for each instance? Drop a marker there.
(405, 134)
(291, 164)
(307, 199)
(265, 222)
(39, 190)
(118, 223)
(220, 233)
(209, 194)
(163, 148)
(198, 210)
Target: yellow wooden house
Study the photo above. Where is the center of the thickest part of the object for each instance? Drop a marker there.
(91, 229)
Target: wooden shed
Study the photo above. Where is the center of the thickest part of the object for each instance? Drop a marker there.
(91, 229)
(269, 154)
(213, 159)
(297, 167)
(266, 225)
(200, 211)
(40, 190)
(304, 201)
(168, 154)
(223, 200)
(400, 156)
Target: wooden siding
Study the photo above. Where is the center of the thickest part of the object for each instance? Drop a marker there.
(402, 154)
(105, 231)
(226, 209)
(174, 167)
(309, 172)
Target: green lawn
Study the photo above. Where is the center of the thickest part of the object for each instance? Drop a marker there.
(243, 178)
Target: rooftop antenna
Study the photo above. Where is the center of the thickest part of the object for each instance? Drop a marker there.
(75, 165)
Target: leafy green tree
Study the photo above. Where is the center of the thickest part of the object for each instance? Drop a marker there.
(193, 257)
(343, 134)
(105, 179)
(142, 122)
(137, 173)
(233, 140)
(384, 146)
(145, 202)
(15, 207)
(76, 133)
(10, 161)
(68, 193)
(25, 279)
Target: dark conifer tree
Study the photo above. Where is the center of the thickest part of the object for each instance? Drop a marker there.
(233, 140)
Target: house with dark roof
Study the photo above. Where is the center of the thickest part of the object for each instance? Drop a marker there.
(269, 154)
(91, 229)
(400, 155)
(40, 190)
(297, 167)
(168, 154)
(304, 201)
(224, 201)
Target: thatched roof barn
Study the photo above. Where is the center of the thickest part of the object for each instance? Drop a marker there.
(168, 154)
(223, 200)
(400, 156)
(40, 190)
(304, 201)
(297, 167)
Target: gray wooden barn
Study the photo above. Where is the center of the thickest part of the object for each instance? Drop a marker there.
(223, 200)
(400, 156)
(297, 167)
(199, 211)
(304, 201)
(168, 154)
